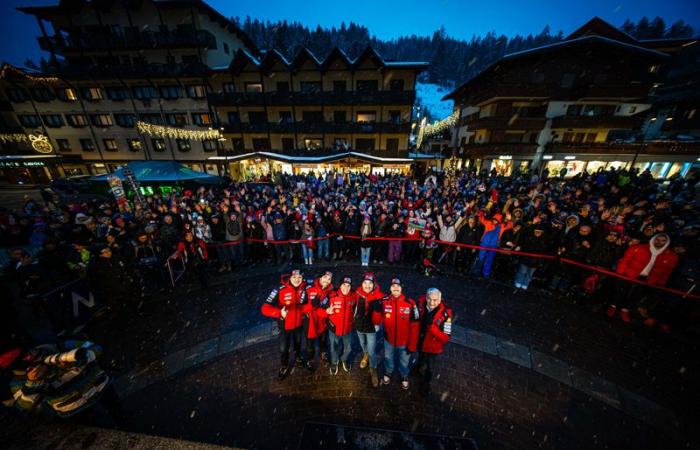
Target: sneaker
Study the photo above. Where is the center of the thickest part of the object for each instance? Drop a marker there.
(310, 366)
(365, 361)
(612, 309)
(283, 372)
(386, 379)
(373, 376)
(346, 366)
(334, 369)
(625, 315)
(299, 363)
(404, 384)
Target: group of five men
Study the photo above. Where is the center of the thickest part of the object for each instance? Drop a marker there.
(326, 317)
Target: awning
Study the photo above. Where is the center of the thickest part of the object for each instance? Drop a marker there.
(161, 171)
(313, 159)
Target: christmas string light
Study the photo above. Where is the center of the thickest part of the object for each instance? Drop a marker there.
(13, 137)
(177, 133)
(432, 129)
(9, 69)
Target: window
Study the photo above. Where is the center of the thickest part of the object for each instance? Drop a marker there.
(598, 110)
(633, 109)
(176, 119)
(42, 94)
(590, 137)
(567, 80)
(364, 144)
(52, 120)
(311, 87)
(286, 117)
(226, 50)
(287, 144)
(102, 120)
(87, 145)
(145, 92)
(201, 119)
(234, 117)
(312, 116)
(17, 95)
(283, 86)
(134, 145)
(513, 138)
(340, 116)
(125, 120)
(66, 95)
(110, 145)
(394, 116)
(91, 94)
(261, 144)
(228, 88)
(392, 145)
(253, 87)
(237, 144)
(183, 145)
(366, 116)
(573, 110)
(28, 120)
(257, 117)
(196, 91)
(76, 120)
(396, 85)
(340, 86)
(210, 145)
(313, 144)
(152, 118)
(538, 77)
(367, 85)
(64, 145)
(117, 94)
(158, 144)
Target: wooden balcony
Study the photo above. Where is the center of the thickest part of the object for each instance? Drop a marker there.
(504, 123)
(513, 149)
(625, 122)
(128, 40)
(312, 99)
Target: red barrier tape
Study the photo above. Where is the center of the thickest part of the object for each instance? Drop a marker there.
(474, 247)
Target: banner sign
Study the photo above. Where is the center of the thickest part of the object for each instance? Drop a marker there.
(115, 183)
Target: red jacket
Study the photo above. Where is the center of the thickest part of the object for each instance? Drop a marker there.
(294, 298)
(190, 249)
(343, 307)
(317, 301)
(636, 259)
(436, 327)
(401, 321)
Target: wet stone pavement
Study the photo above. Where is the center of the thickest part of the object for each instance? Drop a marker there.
(523, 371)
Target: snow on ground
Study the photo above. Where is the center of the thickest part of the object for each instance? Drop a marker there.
(429, 96)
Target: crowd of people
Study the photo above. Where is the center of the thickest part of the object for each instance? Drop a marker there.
(617, 220)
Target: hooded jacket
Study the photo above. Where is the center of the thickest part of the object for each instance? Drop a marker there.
(436, 327)
(401, 321)
(314, 308)
(367, 305)
(340, 322)
(637, 257)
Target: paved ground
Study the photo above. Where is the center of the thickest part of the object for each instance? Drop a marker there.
(524, 371)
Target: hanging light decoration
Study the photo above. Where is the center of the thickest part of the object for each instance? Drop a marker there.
(437, 127)
(177, 133)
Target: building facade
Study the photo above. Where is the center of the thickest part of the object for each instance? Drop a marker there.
(580, 105)
(182, 65)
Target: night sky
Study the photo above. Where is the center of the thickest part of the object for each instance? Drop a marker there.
(389, 19)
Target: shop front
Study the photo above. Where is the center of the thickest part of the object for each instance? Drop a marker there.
(38, 169)
(571, 165)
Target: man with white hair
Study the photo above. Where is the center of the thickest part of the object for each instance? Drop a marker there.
(435, 331)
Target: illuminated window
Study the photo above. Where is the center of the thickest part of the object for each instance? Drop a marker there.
(110, 145)
(134, 145)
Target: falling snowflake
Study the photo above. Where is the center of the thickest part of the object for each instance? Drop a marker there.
(483, 312)
(192, 414)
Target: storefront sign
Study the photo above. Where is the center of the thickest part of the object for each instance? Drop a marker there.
(17, 164)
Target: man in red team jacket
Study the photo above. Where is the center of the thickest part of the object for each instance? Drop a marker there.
(317, 299)
(286, 304)
(401, 321)
(435, 331)
(339, 312)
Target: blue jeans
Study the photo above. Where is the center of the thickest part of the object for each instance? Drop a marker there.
(335, 341)
(524, 276)
(236, 252)
(368, 342)
(364, 254)
(306, 251)
(323, 249)
(403, 355)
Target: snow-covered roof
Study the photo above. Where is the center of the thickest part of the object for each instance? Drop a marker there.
(311, 159)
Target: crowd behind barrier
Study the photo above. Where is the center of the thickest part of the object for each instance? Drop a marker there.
(608, 235)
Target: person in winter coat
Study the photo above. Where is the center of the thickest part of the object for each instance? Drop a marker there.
(401, 321)
(194, 253)
(317, 301)
(169, 234)
(286, 303)
(234, 239)
(534, 240)
(202, 230)
(493, 229)
(365, 244)
(351, 228)
(435, 331)
(368, 303)
(448, 233)
(340, 314)
(396, 230)
(469, 233)
(111, 280)
(323, 247)
(653, 262)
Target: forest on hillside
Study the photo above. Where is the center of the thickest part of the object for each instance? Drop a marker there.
(452, 61)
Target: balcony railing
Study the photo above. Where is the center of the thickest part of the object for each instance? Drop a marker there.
(319, 98)
(608, 121)
(317, 127)
(501, 148)
(107, 40)
(151, 70)
(531, 91)
(503, 123)
(669, 148)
